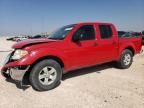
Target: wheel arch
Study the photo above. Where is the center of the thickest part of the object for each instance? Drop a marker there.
(131, 49)
(26, 75)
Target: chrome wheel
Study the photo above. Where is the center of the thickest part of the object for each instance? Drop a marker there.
(127, 59)
(47, 75)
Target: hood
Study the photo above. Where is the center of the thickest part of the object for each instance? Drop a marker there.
(29, 42)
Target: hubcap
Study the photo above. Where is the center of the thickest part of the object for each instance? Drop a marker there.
(127, 59)
(47, 75)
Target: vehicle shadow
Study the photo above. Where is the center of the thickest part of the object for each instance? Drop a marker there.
(68, 75)
(18, 84)
(88, 70)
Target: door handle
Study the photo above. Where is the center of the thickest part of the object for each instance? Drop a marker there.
(95, 44)
(114, 43)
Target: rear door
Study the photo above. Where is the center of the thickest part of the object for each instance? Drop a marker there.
(108, 43)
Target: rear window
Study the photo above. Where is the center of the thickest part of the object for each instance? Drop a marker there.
(105, 31)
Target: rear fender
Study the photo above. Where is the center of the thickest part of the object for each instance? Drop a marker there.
(127, 46)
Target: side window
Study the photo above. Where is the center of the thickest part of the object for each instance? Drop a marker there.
(105, 31)
(86, 32)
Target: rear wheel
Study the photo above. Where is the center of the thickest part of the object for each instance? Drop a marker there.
(45, 75)
(125, 59)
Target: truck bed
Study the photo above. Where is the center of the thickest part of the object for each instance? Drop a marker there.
(136, 41)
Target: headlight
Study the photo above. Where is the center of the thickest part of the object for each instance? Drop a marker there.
(18, 54)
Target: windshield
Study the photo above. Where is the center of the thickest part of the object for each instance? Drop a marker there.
(62, 32)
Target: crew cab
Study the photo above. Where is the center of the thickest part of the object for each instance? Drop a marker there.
(69, 48)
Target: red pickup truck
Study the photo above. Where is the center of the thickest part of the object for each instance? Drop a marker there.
(70, 47)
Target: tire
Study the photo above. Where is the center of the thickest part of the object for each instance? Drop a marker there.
(45, 75)
(126, 59)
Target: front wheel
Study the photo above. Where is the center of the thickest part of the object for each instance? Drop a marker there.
(126, 59)
(45, 75)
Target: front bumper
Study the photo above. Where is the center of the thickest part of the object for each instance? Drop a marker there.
(14, 69)
(16, 73)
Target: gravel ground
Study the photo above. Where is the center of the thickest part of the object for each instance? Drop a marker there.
(101, 86)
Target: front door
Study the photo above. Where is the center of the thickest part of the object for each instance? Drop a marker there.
(82, 53)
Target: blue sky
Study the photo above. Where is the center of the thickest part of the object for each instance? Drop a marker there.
(37, 16)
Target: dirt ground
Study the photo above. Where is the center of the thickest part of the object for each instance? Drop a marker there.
(101, 86)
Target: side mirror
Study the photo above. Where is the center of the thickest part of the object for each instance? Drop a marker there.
(76, 38)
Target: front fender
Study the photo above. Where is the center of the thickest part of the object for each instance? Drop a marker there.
(43, 52)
